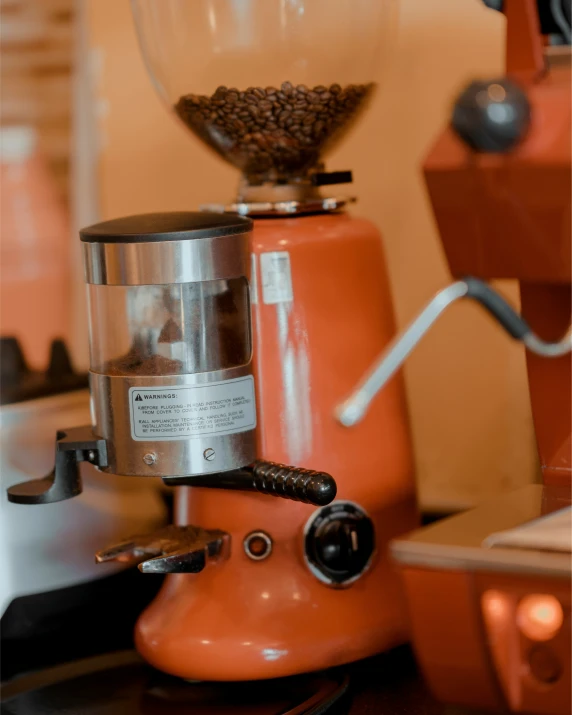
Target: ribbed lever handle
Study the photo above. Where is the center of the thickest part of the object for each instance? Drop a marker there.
(294, 483)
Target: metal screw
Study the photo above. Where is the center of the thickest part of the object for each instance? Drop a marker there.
(150, 458)
(91, 456)
(209, 454)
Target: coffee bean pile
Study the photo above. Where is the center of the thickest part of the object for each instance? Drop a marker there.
(272, 132)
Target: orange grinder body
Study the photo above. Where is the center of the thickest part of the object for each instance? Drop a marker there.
(321, 313)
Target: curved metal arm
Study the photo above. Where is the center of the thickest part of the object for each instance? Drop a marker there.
(354, 408)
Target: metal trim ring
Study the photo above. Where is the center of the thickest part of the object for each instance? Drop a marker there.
(257, 535)
(165, 262)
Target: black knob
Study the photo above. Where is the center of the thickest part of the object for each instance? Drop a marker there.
(340, 543)
(492, 116)
(495, 4)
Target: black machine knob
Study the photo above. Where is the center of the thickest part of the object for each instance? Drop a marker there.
(340, 542)
(492, 116)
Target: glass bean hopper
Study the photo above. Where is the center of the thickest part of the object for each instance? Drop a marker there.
(270, 85)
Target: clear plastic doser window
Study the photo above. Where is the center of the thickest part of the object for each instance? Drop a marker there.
(169, 329)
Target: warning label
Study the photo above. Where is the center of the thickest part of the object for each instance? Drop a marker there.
(187, 411)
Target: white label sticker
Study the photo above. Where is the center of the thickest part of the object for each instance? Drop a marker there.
(187, 411)
(276, 277)
(253, 280)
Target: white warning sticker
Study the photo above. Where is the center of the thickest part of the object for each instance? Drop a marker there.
(187, 411)
(276, 277)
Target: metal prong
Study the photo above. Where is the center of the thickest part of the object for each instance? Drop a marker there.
(173, 549)
(177, 562)
(125, 552)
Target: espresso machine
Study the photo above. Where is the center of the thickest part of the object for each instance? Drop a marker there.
(489, 590)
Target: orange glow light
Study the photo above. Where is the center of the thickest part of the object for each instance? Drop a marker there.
(539, 616)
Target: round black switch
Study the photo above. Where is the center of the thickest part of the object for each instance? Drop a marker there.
(492, 116)
(340, 541)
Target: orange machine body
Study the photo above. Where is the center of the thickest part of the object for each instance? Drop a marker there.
(506, 216)
(472, 650)
(321, 313)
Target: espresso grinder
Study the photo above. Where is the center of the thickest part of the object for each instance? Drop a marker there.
(489, 590)
(186, 389)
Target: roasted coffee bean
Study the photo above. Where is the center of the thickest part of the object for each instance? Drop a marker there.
(282, 130)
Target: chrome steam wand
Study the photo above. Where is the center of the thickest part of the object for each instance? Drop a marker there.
(354, 408)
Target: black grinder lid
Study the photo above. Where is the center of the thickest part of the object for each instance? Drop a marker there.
(171, 226)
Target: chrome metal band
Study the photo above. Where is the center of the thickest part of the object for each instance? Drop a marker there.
(176, 458)
(164, 262)
(282, 208)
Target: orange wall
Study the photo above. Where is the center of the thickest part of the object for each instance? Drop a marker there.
(466, 383)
